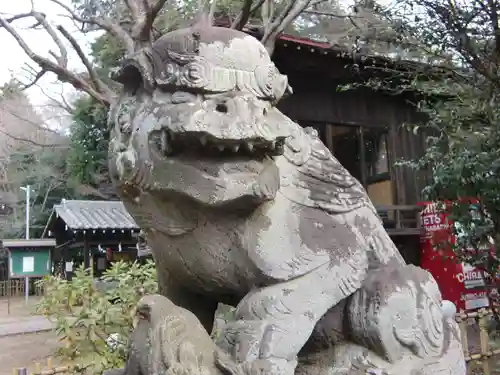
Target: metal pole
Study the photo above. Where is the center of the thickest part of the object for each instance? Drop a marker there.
(26, 279)
(28, 194)
(9, 281)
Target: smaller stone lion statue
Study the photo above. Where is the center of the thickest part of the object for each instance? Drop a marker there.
(170, 340)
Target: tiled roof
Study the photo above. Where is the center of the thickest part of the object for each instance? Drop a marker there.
(79, 214)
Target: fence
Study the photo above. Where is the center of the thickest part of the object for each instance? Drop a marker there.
(473, 355)
(15, 288)
(49, 370)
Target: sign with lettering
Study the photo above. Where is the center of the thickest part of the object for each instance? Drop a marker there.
(460, 283)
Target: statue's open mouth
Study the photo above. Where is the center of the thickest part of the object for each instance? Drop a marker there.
(205, 145)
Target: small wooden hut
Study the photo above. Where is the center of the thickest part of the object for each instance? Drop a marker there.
(91, 233)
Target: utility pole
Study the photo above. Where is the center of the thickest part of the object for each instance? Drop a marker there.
(27, 189)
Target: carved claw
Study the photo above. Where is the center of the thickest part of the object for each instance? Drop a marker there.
(268, 183)
(269, 367)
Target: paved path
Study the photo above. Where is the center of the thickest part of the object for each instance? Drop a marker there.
(27, 325)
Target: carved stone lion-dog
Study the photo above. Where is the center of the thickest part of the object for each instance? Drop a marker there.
(245, 207)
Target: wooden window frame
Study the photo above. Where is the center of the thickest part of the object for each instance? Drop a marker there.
(360, 129)
(378, 177)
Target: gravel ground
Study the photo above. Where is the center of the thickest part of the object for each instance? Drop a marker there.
(26, 351)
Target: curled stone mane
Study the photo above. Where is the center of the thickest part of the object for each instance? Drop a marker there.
(175, 41)
(207, 59)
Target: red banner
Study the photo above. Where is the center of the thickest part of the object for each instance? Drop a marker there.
(459, 283)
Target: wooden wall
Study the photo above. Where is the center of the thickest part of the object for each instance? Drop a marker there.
(317, 99)
(343, 108)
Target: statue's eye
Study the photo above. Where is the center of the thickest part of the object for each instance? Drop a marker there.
(196, 74)
(170, 70)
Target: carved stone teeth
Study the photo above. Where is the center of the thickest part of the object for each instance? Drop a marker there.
(235, 148)
(249, 146)
(220, 147)
(203, 140)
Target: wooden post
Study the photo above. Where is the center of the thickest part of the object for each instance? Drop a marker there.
(483, 335)
(86, 251)
(329, 137)
(8, 291)
(8, 282)
(362, 156)
(462, 324)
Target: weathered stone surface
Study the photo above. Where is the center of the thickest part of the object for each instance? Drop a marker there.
(243, 206)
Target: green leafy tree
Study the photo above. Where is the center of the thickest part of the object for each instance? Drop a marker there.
(94, 321)
(87, 158)
(455, 77)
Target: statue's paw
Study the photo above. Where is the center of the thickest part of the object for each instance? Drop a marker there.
(115, 371)
(407, 318)
(179, 369)
(271, 366)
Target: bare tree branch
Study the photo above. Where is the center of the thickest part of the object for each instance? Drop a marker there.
(62, 104)
(96, 81)
(38, 76)
(246, 11)
(96, 87)
(327, 14)
(274, 27)
(32, 142)
(36, 124)
(144, 26)
(63, 58)
(106, 24)
(134, 9)
(63, 73)
(213, 8)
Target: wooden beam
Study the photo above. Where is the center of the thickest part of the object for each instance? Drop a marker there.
(86, 252)
(126, 242)
(404, 232)
(362, 156)
(329, 137)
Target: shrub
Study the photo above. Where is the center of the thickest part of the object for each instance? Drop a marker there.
(94, 322)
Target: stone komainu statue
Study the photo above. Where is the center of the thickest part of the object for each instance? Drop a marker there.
(243, 206)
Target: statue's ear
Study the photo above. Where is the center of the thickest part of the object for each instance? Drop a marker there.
(135, 73)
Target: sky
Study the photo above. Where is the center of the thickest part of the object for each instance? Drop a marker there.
(14, 57)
